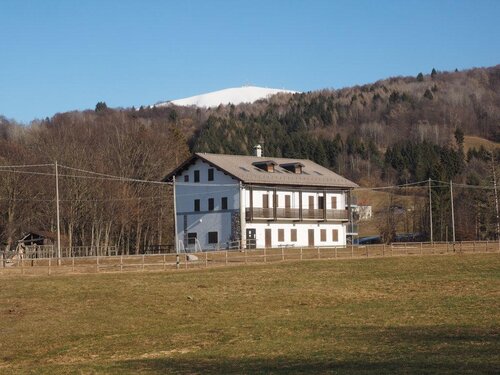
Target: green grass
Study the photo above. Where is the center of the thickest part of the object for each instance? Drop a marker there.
(416, 315)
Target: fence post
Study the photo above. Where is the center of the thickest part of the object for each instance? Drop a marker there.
(486, 250)
(421, 249)
(367, 250)
(282, 254)
(164, 262)
(121, 263)
(186, 260)
(392, 250)
(301, 253)
(265, 260)
(97, 263)
(335, 251)
(73, 264)
(206, 259)
(352, 250)
(22, 266)
(319, 255)
(246, 260)
(143, 262)
(406, 250)
(383, 250)
(460, 246)
(226, 257)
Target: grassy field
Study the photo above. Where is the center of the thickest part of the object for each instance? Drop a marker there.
(477, 142)
(379, 200)
(416, 315)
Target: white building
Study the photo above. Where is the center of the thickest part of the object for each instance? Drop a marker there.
(227, 200)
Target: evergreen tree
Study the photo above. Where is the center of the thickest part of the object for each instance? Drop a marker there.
(101, 107)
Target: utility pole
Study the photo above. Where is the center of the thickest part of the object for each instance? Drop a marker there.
(452, 214)
(58, 219)
(175, 227)
(496, 197)
(430, 210)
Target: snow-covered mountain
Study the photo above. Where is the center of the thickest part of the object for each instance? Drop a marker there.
(236, 95)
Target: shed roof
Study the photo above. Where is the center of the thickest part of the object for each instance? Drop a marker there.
(243, 169)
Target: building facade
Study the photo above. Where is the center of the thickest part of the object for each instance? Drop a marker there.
(254, 202)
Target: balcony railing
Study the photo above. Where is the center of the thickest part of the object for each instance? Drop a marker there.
(294, 214)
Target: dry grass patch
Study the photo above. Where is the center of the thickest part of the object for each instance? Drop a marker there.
(399, 315)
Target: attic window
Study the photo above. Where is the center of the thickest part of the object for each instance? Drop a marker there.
(293, 167)
(267, 166)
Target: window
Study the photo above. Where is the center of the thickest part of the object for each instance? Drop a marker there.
(186, 178)
(224, 203)
(335, 235)
(211, 174)
(196, 204)
(192, 238)
(323, 235)
(293, 235)
(334, 203)
(210, 204)
(213, 237)
(196, 176)
(281, 235)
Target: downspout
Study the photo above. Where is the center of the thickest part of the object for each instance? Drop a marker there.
(242, 217)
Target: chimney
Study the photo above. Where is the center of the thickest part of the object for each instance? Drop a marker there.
(257, 151)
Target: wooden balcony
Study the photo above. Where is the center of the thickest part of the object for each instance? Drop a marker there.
(295, 215)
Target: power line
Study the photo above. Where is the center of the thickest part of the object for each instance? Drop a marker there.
(110, 177)
(26, 166)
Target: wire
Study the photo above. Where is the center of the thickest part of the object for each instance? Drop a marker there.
(198, 194)
(85, 171)
(412, 184)
(26, 166)
(195, 184)
(28, 172)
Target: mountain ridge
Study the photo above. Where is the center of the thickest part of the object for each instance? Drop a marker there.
(231, 95)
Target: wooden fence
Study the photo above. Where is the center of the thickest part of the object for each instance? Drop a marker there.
(168, 261)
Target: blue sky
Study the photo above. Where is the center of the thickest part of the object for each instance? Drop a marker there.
(57, 56)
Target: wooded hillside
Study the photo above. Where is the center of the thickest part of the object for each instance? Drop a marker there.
(397, 130)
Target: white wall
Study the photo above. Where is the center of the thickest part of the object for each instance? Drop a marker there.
(302, 233)
(211, 221)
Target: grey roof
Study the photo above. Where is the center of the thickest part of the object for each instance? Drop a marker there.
(241, 167)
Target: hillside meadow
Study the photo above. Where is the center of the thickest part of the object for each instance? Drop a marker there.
(416, 315)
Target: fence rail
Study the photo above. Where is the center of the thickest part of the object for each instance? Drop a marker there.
(168, 261)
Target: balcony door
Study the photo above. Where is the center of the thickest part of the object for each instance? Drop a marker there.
(266, 212)
(310, 210)
(288, 211)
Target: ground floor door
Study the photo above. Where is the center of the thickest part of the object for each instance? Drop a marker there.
(251, 238)
(269, 239)
(311, 237)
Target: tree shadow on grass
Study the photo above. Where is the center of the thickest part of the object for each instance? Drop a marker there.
(289, 366)
(395, 350)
